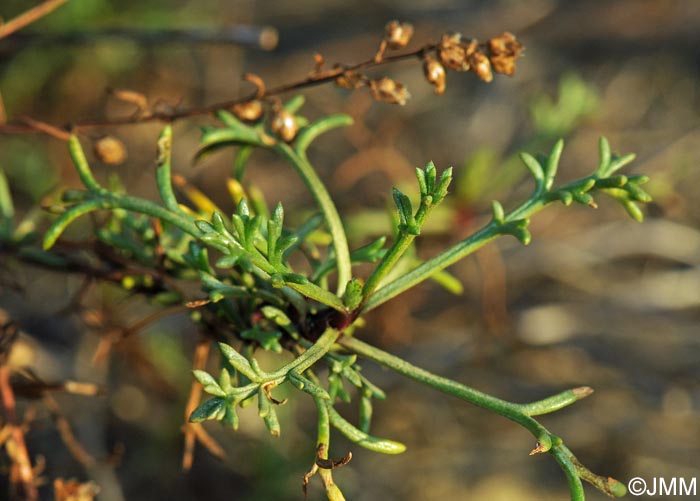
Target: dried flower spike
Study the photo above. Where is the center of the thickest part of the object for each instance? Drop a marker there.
(503, 51)
(397, 34)
(435, 74)
(249, 111)
(389, 91)
(284, 125)
(451, 52)
(110, 150)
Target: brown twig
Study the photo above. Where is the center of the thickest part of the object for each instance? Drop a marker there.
(315, 79)
(194, 431)
(29, 16)
(66, 432)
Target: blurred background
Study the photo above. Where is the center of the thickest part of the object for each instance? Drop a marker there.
(596, 299)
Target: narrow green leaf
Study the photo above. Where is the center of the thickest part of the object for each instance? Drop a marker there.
(209, 384)
(163, 170)
(82, 166)
(231, 416)
(208, 410)
(60, 224)
(240, 160)
(533, 166)
(422, 184)
(497, 211)
(272, 423)
(443, 185)
(264, 404)
(553, 163)
(604, 157)
(306, 385)
(309, 133)
(238, 362)
(361, 438)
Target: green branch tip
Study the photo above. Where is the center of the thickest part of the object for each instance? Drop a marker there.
(81, 165)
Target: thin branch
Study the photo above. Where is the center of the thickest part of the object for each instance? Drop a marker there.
(28, 126)
(259, 37)
(29, 16)
(66, 432)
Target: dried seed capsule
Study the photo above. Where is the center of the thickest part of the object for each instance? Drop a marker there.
(481, 66)
(503, 51)
(249, 111)
(110, 150)
(284, 125)
(434, 72)
(389, 91)
(451, 52)
(398, 35)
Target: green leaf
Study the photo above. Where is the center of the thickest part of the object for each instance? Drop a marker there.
(238, 362)
(497, 211)
(231, 416)
(552, 164)
(306, 385)
(268, 340)
(310, 132)
(208, 383)
(211, 409)
(353, 294)
(363, 439)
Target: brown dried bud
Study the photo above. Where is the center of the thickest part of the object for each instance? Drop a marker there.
(110, 150)
(397, 35)
(387, 90)
(451, 52)
(481, 66)
(249, 111)
(503, 51)
(350, 80)
(435, 74)
(284, 125)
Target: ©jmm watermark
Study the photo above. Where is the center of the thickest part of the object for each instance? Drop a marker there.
(662, 486)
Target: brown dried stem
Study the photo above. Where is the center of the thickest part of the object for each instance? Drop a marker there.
(32, 126)
(29, 16)
(194, 431)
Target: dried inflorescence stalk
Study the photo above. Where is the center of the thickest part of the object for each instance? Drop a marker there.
(452, 52)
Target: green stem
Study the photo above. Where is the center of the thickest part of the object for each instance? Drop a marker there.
(456, 253)
(81, 165)
(561, 454)
(163, 174)
(330, 213)
(429, 267)
(397, 249)
(506, 409)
